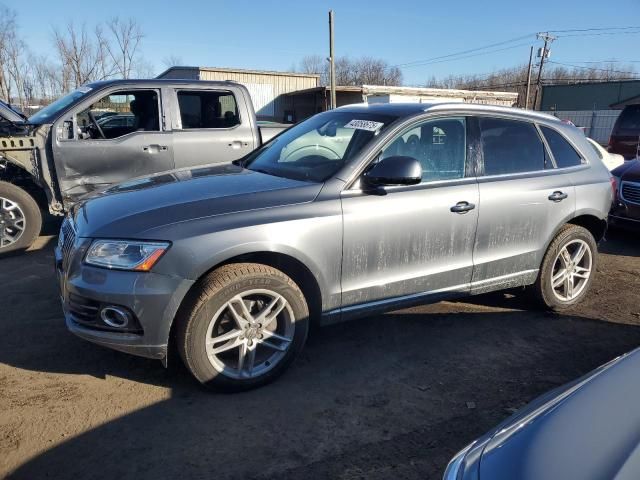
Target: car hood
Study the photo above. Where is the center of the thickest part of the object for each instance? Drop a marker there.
(590, 430)
(629, 171)
(134, 208)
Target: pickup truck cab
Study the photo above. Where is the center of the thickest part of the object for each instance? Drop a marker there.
(108, 132)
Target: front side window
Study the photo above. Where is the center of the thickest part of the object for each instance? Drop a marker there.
(207, 109)
(119, 114)
(317, 148)
(439, 145)
(564, 154)
(511, 146)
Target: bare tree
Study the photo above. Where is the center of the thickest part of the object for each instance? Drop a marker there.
(123, 50)
(8, 37)
(83, 58)
(172, 60)
(361, 71)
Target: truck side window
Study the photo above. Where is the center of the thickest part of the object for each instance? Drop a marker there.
(207, 109)
(120, 113)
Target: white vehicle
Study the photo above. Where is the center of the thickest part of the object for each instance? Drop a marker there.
(611, 160)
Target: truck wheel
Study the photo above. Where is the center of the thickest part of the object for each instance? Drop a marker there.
(20, 218)
(243, 326)
(567, 269)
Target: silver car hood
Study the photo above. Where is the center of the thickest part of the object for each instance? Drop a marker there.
(589, 430)
(139, 208)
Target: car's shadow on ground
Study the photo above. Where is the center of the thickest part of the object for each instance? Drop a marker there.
(393, 396)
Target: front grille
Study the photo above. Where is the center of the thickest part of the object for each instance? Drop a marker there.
(66, 242)
(631, 192)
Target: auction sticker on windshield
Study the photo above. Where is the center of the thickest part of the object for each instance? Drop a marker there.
(364, 125)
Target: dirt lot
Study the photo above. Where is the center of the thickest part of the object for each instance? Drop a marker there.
(388, 397)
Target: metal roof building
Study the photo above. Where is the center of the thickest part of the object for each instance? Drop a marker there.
(589, 96)
(292, 97)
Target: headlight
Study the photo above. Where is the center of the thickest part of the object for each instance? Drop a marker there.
(125, 255)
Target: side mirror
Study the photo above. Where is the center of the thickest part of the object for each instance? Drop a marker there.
(397, 170)
(65, 131)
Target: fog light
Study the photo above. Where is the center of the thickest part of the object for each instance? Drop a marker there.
(115, 317)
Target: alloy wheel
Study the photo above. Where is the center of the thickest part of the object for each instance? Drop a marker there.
(250, 334)
(571, 270)
(12, 222)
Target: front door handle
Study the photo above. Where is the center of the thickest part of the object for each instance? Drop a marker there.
(237, 144)
(154, 148)
(462, 207)
(557, 196)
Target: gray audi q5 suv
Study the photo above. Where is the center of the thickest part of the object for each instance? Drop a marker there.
(354, 211)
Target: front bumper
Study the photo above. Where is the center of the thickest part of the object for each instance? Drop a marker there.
(152, 298)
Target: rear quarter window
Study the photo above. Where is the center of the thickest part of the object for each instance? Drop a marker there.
(564, 154)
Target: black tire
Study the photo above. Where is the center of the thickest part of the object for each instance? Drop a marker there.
(543, 290)
(209, 297)
(31, 213)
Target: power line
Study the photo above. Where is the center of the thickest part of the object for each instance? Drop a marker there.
(463, 52)
(432, 62)
(593, 29)
(599, 34)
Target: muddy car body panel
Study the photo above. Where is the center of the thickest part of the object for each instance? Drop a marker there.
(357, 248)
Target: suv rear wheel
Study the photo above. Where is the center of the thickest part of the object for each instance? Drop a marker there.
(20, 218)
(567, 269)
(245, 325)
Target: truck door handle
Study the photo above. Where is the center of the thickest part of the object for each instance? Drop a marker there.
(154, 148)
(557, 196)
(462, 207)
(237, 144)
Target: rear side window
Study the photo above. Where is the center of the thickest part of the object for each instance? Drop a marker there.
(511, 146)
(562, 150)
(207, 109)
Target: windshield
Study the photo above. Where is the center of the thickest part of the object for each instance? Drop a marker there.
(317, 148)
(49, 113)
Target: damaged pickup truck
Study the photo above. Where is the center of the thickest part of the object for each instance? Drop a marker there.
(108, 132)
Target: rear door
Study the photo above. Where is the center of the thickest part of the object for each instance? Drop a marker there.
(523, 200)
(90, 152)
(211, 125)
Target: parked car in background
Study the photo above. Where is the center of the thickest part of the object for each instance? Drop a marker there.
(626, 206)
(399, 205)
(625, 136)
(587, 429)
(610, 160)
(108, 132)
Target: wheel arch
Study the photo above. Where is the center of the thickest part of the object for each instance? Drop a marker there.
(291, 266)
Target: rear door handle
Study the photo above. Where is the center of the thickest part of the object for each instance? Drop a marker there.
(462, 207)
(557, 196)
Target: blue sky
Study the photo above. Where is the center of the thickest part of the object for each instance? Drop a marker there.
(276, 35)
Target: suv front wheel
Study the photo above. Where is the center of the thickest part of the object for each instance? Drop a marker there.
(20, 219)
(567, 269)
(244, 326)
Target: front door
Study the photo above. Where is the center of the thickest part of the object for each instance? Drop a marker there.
(414, 240)
(210, 126)
(117, 137)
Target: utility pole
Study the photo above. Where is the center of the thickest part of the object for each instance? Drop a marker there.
(526, 98)
(543, 53)
(332, 62)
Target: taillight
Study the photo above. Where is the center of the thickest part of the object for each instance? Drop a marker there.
(614, 187)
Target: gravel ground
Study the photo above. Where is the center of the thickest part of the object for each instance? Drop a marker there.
(393, 396)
